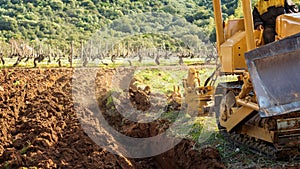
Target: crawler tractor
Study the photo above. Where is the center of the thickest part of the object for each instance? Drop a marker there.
(261, 110)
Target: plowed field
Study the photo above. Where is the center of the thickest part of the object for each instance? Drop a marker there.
(40, 127)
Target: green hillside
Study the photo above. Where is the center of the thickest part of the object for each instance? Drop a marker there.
(57, 23)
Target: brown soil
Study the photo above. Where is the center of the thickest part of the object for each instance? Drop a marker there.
(40, 127)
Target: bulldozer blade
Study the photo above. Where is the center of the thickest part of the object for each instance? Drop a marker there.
(275, 74)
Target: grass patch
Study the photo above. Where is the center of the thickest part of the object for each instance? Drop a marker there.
(170, 115)
(25, 147)
(6, 165)
(194, 61)
(161, 81)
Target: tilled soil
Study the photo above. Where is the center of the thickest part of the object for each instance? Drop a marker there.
(40, 126)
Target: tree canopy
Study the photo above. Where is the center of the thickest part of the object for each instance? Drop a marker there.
(60, 21)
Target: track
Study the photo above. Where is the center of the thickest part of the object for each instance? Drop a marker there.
(255, 145)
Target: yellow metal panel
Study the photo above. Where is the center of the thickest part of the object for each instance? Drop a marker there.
(233, 26)
(287, 24)
(219, 23)
(232, 52)
(239, 49)
(258, 132)
(236, 118)
(247, 10)
(226, 52)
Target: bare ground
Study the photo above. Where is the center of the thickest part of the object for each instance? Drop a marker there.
(40, 127)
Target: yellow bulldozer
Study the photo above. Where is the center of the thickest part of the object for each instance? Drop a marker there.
(261, 110)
